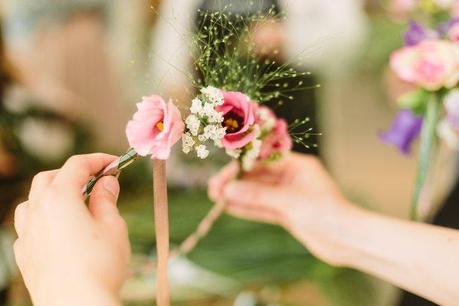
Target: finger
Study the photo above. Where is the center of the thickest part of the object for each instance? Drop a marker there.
(254, 194)
(20, 218)
(102, 203)
(40, 182)
(253, 214)
(217, 182)
(78, 169)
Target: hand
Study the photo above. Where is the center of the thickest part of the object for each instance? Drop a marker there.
(295, 192)
(68, 253)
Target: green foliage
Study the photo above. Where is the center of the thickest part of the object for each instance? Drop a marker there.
(415, 100)
(224, 56)
(255, 254)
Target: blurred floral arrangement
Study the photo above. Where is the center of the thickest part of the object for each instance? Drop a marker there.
(227, 113)
(429, 61)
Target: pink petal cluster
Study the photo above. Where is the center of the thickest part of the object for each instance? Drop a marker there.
(431, 64)
(239, 118)
(155, 128)
(277, 141)
(453, 33)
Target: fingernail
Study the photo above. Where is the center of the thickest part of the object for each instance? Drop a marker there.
(111, 185)
(231, 190)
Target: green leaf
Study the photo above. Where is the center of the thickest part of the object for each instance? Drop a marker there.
(415, 100)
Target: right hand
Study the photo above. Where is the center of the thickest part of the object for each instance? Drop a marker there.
(69, 253)
(295, 192)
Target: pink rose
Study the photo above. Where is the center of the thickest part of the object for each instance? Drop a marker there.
(431, 64)
(453, 33)
(265, 117)
(155, 128)
(238, 118)
(277, 141)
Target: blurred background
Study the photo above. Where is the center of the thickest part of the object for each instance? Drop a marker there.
(71, 72)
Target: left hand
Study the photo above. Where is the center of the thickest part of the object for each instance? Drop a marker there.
(68, 253)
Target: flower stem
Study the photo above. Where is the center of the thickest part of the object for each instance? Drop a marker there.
(162, 231)
(427, 149)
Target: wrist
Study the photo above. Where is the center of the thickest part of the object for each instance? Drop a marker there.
(328, 229)
(76, 293)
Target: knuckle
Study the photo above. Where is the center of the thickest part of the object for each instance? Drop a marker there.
(17, 248)
(75, 159)
(39, 177)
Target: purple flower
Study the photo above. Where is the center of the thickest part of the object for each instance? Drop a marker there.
(404, 130)
(444, 27)
(416, 33)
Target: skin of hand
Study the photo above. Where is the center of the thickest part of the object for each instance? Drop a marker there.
(298, 194)
(279, 193)
(69, 253)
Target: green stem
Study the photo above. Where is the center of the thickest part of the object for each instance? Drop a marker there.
(427, 148)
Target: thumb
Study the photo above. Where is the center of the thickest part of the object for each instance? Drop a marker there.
(104, 196)
(254, 195)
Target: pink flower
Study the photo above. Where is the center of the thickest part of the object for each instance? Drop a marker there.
(265, 117)
(453, 33)
(238, 118)
(431, 64)
(277, 141)
(155, 128)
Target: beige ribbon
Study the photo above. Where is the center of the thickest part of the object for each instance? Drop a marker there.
(162, 231)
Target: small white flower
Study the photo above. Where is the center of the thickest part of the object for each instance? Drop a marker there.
(446, 132)
(192, 123)
(187, 143)
(214, 95)
(251, 155)
(208, 110)
(202, 152)
(214, 132)
(196, 106)
(234, 153)
(266, 117)
(202, 137)
(254, 148)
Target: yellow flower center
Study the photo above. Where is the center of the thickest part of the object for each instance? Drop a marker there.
(160, 125)
(231, 124)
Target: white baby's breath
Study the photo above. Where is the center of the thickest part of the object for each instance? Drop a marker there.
(214, 132)
(213, 95)
(234, 153)
(192, 123)
(252, 151)
(250, 156)
(269, 121)
(187, 143)
(204, 123)
(196, 106)
(202, 152)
